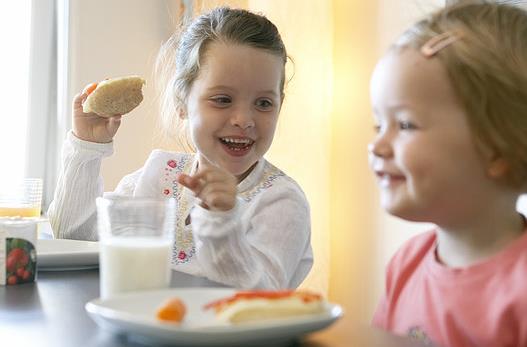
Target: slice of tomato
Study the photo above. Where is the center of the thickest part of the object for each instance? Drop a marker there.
(263, 294)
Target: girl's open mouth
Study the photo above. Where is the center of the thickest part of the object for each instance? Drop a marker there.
(237, 146)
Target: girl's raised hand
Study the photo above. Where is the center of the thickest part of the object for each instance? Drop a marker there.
(215, 187)
(91, 127)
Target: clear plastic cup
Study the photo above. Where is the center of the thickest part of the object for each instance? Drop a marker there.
(22, 198)
(135, 243)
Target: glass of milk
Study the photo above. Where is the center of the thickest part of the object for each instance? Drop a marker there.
(135, 240)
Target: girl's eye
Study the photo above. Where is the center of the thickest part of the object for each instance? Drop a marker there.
(221, 100)
(264, 104)
(405, 125)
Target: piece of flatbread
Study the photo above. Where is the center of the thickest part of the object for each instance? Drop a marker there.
(242, 308)
(115, 96)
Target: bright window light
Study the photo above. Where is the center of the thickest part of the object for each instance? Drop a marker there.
(15, 25)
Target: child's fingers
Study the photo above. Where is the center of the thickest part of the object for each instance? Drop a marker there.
(218, 201)
(217, 198)
(218, 195)
(189, 182)
(214, 175)
(213, 191)
(77, 101)
(115, 120)
(113, 124)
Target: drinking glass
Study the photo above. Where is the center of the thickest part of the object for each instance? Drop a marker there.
(22, 198)
(135, 242)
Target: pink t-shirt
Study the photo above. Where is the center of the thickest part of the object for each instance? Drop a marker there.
(481, 305)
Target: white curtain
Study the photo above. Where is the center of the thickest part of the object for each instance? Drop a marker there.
(47, 118)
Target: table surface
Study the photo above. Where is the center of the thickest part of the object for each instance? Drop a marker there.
(50, 312)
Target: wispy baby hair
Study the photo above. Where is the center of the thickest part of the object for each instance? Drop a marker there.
(487, 66)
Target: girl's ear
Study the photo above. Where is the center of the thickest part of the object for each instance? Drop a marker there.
(182, 113)
(498, 168)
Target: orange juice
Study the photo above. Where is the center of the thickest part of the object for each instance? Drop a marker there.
(20, 211)
(21, 198)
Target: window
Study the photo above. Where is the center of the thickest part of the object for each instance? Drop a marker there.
(15, 25)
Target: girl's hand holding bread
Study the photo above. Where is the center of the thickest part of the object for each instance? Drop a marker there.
(98, 109)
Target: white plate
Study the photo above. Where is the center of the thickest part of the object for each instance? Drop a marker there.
(64, 255)
(135, 314)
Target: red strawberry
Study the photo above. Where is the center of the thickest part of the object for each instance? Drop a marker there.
(16, 258)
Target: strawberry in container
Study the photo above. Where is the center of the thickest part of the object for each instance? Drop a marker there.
(18, 260)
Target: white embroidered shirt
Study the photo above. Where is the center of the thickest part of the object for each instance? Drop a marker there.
(263, 242)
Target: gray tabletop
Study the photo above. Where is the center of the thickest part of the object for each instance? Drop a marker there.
(50, 312)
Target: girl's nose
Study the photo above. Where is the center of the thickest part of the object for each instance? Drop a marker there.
(380, 147)
(242, 118)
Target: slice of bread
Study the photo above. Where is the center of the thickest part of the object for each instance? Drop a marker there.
(255, 306)
(115, 96)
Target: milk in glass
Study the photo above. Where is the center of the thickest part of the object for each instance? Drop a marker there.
(129, 264)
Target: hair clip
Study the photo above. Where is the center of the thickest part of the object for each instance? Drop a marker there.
(438, 42)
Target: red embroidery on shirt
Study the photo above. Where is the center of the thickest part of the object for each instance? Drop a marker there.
(183, 249)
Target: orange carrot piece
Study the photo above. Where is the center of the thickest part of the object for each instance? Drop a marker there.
(173, 310)
(89, 89)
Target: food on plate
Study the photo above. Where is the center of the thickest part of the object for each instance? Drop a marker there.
(114, 96)
(173, 310)
(258, 305)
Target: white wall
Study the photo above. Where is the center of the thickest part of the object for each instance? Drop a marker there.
(303, 138)
(116, 38)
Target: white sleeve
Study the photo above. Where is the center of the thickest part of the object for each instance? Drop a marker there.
(72, 212)
(270, 249)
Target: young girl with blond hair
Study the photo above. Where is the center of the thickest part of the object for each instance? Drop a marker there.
(450, 102)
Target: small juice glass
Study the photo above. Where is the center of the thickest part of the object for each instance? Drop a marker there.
(21, 199)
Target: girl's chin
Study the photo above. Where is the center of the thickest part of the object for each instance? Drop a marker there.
(407, 212)
(392, 207)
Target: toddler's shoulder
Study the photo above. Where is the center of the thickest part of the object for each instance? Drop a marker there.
(409, 259)
(414, 249)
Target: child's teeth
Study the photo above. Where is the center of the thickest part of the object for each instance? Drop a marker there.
(230, 140)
